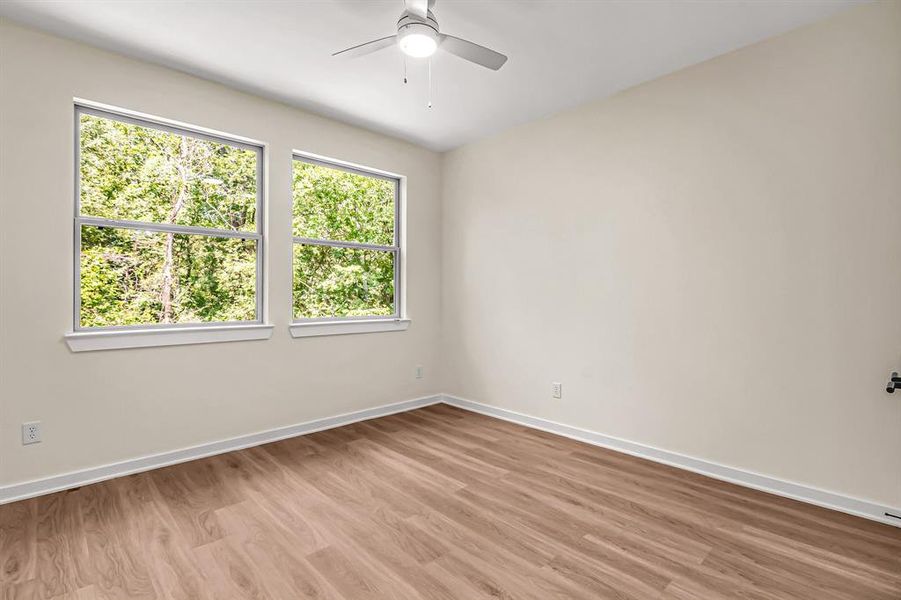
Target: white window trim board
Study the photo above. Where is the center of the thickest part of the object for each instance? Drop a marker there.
(320, 328)
(86, 341)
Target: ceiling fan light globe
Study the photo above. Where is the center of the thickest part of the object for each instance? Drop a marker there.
(417, 40)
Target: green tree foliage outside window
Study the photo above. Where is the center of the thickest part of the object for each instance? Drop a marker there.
(336, 205)
(130, 276)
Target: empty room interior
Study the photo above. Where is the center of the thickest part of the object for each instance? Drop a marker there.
(450, 299)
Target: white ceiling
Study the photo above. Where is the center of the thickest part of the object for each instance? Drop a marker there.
(562, 53)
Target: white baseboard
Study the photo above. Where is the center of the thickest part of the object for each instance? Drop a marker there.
(795, 491)
(803, 493)
(56, 483)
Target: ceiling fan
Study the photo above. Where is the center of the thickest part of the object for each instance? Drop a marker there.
(419, 37)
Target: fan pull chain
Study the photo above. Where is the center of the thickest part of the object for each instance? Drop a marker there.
(430, 83)
(405, 68)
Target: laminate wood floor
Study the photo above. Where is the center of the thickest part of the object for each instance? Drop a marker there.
(438, 503)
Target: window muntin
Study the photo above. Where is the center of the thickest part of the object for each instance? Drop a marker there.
(328, 204)
(346, 243)
(167, 226)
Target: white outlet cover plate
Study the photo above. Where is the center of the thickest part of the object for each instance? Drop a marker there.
(31, 432)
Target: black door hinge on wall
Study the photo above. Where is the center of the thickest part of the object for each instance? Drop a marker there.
(893, 384)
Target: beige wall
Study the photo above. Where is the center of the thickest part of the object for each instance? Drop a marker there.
(710, 262)
(100, 407)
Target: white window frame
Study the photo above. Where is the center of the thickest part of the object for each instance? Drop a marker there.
(341, 325)
(165, 334)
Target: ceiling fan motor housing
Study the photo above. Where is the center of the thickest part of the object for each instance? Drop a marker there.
(416, 36)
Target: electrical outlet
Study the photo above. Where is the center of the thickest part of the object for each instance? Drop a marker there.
(31, 432)
(418, 371)
(557, 389)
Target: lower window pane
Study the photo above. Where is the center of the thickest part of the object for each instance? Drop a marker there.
(342, 282)
(131, 277)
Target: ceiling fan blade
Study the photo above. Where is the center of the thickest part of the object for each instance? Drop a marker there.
(472, 52)
(420, 8)
(367, 47)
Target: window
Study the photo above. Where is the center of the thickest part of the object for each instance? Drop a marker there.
(167, 226)
(346, 243)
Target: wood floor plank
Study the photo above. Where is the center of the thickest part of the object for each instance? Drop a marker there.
(193, 492)
(283, 572)
(58, 543)
(154, 535)
(113, 566)
(228, 572)
(436, 504)
(18, 531)
(352, 579)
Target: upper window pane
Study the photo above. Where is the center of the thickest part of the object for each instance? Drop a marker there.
(338, 205)
(136, 173)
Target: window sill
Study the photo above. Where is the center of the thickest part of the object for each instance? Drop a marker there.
(318, 328)
(86, 341)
